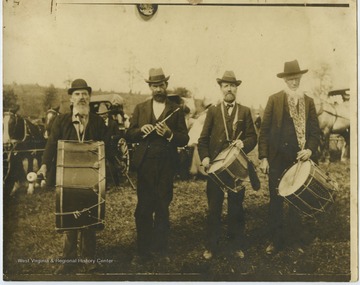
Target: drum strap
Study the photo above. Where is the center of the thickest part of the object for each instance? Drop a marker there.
(234, 122)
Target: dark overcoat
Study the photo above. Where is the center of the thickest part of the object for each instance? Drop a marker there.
(270, 132)
(213, 137)
(142, 115)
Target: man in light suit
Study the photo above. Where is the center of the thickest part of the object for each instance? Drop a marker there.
(223, 124)
(289, 133)
(155, 159)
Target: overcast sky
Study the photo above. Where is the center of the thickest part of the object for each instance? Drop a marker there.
(194, 45)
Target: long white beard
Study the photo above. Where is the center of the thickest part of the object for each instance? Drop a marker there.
(298, 93)
(83, 109)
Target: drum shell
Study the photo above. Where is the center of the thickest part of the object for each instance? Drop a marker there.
(231, 173)
(80, 184)
(315, 195)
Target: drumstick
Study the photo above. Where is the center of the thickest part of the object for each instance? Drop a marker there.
(233, 144)
(163, 121)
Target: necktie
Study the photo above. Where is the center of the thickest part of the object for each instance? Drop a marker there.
(228, 106)
(81, 123)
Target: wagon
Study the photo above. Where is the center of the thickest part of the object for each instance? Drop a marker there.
(114, 103)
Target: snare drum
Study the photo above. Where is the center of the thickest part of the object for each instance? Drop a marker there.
(307, 188)
(229, 169)
(80, 185)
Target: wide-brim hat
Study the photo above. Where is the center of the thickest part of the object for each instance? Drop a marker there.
(103, 109)
(291, 68)
(79, 84)
(229, 77)
(156, 75)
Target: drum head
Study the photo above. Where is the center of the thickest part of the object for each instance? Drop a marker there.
(292, 181)
(224, 158)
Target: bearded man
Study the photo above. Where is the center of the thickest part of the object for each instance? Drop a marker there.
(228, 123)
(158, 125)
(289, 133)
(79, 125)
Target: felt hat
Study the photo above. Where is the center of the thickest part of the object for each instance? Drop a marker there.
(291, 68)
(79, 84)
(228, 77)
(103, 109)
(156, 75)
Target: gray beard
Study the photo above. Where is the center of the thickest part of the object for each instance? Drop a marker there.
(83, 109)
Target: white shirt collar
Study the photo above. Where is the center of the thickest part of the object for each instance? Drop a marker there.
(158, 108)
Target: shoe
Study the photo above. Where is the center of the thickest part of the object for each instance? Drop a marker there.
(207, 254)
(64, 269)
(239, 254)
(271, 249)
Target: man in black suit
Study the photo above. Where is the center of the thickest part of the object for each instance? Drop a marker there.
(289, 132)
(155, 159)
(79, 125)
(226, 123)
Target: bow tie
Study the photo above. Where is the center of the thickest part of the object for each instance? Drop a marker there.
(228, 106)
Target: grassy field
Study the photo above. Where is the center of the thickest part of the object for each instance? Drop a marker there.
(31, 243)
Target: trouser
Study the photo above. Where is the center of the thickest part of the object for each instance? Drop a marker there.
(87, 243)
(235, 216)
(154, 192)
(276, 207)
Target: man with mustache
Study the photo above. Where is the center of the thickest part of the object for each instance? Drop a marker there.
(225, 124)
(79, 125)
(155, 159)
(289, 133)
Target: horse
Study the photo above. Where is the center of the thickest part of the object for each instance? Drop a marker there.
(50, 116)
(333, 119)
(22, 148)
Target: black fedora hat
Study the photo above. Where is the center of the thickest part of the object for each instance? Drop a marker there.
(78, 84)
(156, 75)
(291, 68)
(229, 77)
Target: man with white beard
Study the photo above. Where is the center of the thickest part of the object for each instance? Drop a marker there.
(289, 133)
(79, 125)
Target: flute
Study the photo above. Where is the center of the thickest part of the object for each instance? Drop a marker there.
(163, 121)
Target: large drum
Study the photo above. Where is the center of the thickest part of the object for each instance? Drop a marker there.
(229, 169)
(80, 185)
(307, 188)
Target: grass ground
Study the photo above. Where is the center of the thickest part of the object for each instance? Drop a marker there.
(29, 236)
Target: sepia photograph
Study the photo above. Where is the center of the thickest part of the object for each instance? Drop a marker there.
(180, 140)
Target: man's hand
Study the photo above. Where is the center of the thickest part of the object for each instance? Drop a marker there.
(304, 154)
(239, 143)
(163, 130)
(42, 171)
(146, 129)
(206, 163)
(264, 166)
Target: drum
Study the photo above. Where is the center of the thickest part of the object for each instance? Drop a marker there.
(80, 185)
(229, 168)
(307, 188)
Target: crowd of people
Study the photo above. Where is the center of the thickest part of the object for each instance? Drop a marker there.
(288, 132)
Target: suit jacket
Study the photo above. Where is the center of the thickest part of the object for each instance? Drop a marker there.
(270, 131)
(63, 129)
(213, 137)
(142, 115)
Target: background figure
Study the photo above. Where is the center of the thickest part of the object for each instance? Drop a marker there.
(117, 113)
(155, 159)
(289, 132)
(223, 124)
(112, 136)
(79, 125)
(257, 122)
